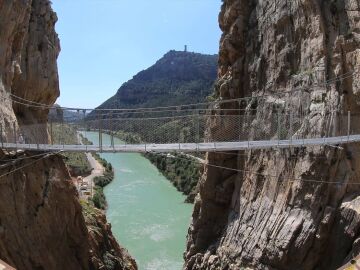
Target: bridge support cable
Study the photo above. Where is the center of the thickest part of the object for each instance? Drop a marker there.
(193, 147)
(200, 129)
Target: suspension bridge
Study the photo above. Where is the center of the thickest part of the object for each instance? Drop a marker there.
(230, 125)
(188, 147)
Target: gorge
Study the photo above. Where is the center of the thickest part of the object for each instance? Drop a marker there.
(271, 209)
(147, 214)
(175, 79)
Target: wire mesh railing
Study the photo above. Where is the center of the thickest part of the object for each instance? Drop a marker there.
(182, 127)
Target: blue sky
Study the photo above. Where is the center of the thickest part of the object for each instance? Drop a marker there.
(106, 42)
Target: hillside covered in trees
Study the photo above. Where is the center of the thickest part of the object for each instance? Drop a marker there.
(177, 78)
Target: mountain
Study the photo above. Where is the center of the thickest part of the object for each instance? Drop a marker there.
(177, 78)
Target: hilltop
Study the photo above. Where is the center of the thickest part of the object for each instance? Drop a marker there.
(177, 78)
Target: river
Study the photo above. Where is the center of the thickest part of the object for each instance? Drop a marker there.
(148, 215)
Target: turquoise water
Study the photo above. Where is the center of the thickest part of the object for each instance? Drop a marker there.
(147, 213)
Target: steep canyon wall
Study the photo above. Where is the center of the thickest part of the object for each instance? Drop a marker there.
(28, 69)
(41, 220)
(289, 208)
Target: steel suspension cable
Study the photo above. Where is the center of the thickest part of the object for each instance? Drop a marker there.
(29, 164)
(46, 106)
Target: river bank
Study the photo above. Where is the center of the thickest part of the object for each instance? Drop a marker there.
(97, 170)
(182, 170)
(101, 175)
(100, 182)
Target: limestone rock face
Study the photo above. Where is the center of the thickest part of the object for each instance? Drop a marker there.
(42, 225)
(29, 47)
(289, 208)
(41, 221)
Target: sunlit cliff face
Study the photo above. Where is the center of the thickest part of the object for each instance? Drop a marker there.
(273, 47)
(29, 50)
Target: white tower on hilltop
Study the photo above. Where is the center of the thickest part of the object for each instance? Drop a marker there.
(186, 48)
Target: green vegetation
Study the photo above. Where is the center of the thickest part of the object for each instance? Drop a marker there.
(177, 78)
(128, 137)
(85, 140)
(103, 181)
(180, 169)
(98, 198)
(88, 210)
(100, 182)
(76, 162)
(79, 165)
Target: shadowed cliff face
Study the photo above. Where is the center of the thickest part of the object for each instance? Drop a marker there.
(249, 219)
(41, 221)
(41, 226)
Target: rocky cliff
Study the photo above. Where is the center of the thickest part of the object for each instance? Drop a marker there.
(41, 220)
(29, 49)
(284, 209)
(105, 252)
